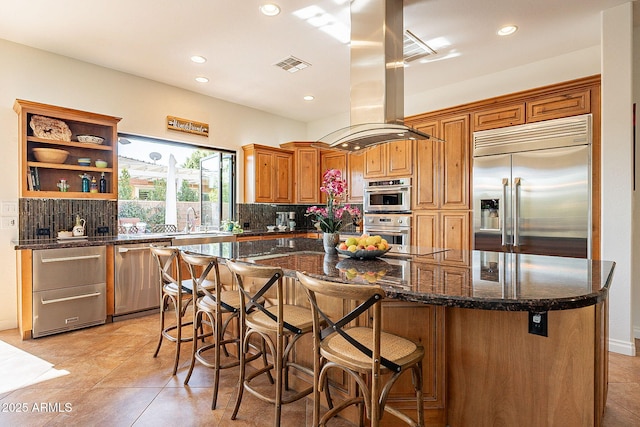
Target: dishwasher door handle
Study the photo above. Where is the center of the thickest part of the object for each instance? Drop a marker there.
(125, 250)
(71, 258)
(52, 301)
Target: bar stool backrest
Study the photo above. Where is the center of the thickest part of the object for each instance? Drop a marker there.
(202, 269)
(167, 259)
(366, 297)
(252, 299)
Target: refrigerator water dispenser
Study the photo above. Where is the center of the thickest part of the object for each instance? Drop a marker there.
(490, 214)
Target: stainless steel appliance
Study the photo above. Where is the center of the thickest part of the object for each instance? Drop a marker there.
(69, 289)
(394, 228)
(532, 188)
(387, 195)
(136, 288)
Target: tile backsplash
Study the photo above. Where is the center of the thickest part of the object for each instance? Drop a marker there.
(259, 215)
(60, 214)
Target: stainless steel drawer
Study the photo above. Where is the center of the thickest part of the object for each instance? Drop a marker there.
(67, 267)
(68, 308)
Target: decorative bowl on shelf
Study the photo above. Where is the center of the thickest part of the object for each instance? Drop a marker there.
(282, 227)
(101, 164)
(363, 253)
(271, 227)
(50, 155)
(84, 161)
(90, 138)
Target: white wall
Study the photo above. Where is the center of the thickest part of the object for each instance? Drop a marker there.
(636, 198)
(39, 76)
(618, 225)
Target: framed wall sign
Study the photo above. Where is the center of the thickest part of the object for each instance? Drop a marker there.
(189, 126)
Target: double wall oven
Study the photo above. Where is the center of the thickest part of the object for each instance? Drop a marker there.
(387, 211)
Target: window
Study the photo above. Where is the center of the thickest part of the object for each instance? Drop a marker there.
(161, 184)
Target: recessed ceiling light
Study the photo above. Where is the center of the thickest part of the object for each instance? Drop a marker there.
(507, 30)
(308, 98)
(270, 9)
(198, 59)
(202, 79)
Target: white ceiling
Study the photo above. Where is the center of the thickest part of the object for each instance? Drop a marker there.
(155, 38)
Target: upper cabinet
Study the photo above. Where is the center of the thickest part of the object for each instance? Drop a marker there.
(441, 178)
(58, 145)
(352, 167)
(390, 159)
(268, 174)
(306, 175)
(562, 104)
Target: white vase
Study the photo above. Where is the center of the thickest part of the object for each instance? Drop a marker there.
(330, 241)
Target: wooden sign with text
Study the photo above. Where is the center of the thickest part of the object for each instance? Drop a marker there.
(189, 126)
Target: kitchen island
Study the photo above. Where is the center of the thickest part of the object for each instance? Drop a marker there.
(510, 339)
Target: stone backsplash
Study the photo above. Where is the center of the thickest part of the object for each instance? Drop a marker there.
(259, 215)
(60, 214)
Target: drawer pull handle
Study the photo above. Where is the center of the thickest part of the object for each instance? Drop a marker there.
(71, 258)
(51, 301)
(125, 250)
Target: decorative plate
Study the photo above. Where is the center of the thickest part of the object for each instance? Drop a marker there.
(364, 254)
(91, 139)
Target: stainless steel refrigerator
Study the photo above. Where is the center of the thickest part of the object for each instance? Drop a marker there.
(532, 188)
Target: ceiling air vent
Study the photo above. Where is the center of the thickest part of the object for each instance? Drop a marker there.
(414, 48)
(292, 64)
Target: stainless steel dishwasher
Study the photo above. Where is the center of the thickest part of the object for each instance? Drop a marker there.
(69, 289)
(136, 288)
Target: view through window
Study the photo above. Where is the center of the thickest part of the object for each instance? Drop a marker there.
(166, 186)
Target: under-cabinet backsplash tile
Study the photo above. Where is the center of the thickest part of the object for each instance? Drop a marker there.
(259, 215)
(60, 214)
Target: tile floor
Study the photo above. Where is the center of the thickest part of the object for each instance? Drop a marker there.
(115, 381)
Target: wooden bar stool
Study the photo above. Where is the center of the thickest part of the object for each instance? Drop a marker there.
(214, 303)
(173, 290)
(362, 352)
(279, 326)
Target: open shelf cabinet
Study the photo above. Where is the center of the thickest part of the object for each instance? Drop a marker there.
(49, 174)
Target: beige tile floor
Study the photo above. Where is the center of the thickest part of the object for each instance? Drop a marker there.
(115, 381)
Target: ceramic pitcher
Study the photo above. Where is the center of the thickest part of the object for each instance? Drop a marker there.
(78, 229)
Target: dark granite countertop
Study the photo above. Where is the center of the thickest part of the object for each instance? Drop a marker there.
(489, 281)
(122, 239)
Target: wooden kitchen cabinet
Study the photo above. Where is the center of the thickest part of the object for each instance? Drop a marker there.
(352, 167)
(442, 171)
(355, 177)
(390, 159)
(443, 229)
(306, 174)
(268, 174)
(561, 104)
(49, 174)
(498, 117)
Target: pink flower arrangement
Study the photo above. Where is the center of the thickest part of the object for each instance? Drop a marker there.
(331, 218)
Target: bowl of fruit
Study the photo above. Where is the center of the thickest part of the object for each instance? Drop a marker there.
(363, 247)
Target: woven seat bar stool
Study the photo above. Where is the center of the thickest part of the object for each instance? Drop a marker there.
(215, 302)
(362, 352)
(279, 326)
(174, 291)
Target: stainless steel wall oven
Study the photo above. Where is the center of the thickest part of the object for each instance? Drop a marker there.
(394, 228)
(388, 195)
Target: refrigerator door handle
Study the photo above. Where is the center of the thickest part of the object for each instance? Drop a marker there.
(505, 183)
(516, 211)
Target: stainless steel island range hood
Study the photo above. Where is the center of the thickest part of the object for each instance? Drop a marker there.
(377, 78)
